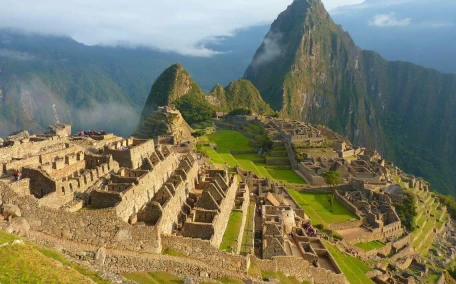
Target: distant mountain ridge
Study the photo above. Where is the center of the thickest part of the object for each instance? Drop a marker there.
(308, 68)
(96, 87)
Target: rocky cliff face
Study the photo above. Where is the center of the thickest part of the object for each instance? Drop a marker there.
(308, 68)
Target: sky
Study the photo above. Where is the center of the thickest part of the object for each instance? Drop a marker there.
(171, 25)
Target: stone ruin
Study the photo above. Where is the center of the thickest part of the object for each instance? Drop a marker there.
(374, 209)
(166, 126)
(283, 222)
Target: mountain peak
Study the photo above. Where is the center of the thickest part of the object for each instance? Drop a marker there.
(172, 84)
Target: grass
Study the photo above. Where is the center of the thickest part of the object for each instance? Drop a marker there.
(287, 176)
(5, 237)
(153, 277)
(172, 252)
(29, 263)
(247, 238)
(232, 231)
(353, 268)
(231, 140)
(316, 206)
(370, 245)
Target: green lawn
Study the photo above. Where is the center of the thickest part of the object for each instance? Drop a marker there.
(353, 268)
(247, 238)
(231, 140)
(5, 237)
(287, 176)
(370, 245)
(232, 231)
(153, 277)
(317, 207)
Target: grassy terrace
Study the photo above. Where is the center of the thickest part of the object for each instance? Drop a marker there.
(29, 263)
(232, 231)
(247, 237)
(317, 207)
(370, 245)
(230, 140)
(353, 268)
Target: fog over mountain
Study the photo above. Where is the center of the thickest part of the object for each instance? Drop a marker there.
(419, 31)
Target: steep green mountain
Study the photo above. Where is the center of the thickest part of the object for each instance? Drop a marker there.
(175, 86)
(308, 68)
(173, 83)
(240, 93)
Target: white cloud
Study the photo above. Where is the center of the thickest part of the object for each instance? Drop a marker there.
(389, 20)
(174, 25)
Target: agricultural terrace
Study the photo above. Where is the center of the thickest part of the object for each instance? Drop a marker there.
(368, 246)
(317, 207)
(353, 268)
(228, 141)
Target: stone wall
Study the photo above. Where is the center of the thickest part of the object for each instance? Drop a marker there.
(310, 175)
(298, 267)
(346, 225)
(30, 149)
(244, 209)
(134, 198)
(202, 250)
(95, 227)
(169, 218)
(133, 153)
(348, 205)
(221, 220)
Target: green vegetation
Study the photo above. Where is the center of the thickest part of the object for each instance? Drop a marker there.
(353, 268)
(229, 240)
(230, 140)
(32, 264)
(316, 206)
(240, 111)
(194, 108)
(247, 238)
(153, 277)
(285, 176)
(332, 178)
(449, 202)
(172, 252)
(406, 210)
(370, 245)
(242, 96)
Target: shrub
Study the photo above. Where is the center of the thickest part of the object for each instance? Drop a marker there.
(406, 210)
(240, 111)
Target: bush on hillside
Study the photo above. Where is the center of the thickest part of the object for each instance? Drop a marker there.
(449, 202)
(406, 210)
(240, 111)
(194, 108)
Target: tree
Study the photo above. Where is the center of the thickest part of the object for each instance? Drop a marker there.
(240, 111)
(194, 108)
(332, 178)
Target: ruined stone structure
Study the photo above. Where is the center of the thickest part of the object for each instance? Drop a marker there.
(165, 126)
(121, 203)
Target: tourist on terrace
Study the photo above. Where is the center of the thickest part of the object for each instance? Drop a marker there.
(17, 175)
